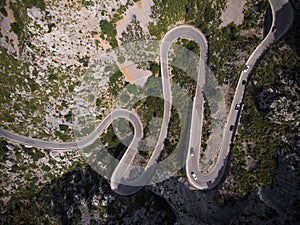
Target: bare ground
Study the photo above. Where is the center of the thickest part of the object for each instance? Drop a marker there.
(233, 13)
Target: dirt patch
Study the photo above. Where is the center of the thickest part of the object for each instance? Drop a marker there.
(252, 33)
(233, 13)
(133, 74)
(102, 43)
(141, 10)
(11, 16)
(228, 93)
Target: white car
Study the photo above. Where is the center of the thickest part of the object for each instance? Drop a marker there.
(237, 106)
(192, 152)
(194, 175)
(246, 68)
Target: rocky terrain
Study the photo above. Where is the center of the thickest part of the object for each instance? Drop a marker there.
(46, 50)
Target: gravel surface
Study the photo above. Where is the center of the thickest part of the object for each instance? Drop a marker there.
(233, 13)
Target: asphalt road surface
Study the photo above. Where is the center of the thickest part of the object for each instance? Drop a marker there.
(282, 14)
(86, 141)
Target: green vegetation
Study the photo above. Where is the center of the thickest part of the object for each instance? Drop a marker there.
(147, 109)
(206, 128)
(150, 107)
(259, 135)
(221, 57)
(173, 135)
(52, 77)
(30, 102)
(205, 16)
(85, 61)
(34, 153)
(98, 102)
(133, 32)
(184, 62)
(51, 203)
(37, 198)
(252, 14)
(116, 82)
(24, 163)
(118, 15)
(20, 77)
(16, 28)
(62, 136)
(19, 73)
(50, 27)
(68, 117)
(20, 13)
(168, 13)
(109, 32)
(46, 168)
(37, 3)
(2, 9)
(87, 3)
(114, 146)
(256, 140)
(63, 127)
(108, 28)
(190, 45)
(154, 68)
(171, 12)
(186, 82)
(3, 151)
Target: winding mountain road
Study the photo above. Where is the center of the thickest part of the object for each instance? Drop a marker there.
(283, 15)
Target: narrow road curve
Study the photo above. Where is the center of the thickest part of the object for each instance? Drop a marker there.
(86, 141)
(282, 18)
(118, 182)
